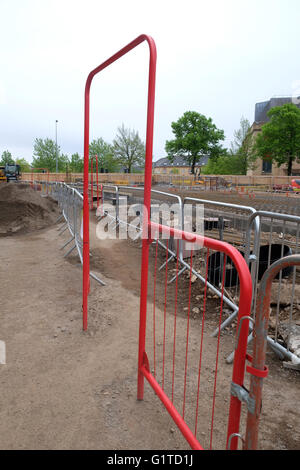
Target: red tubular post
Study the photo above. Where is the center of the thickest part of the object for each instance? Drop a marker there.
(148, 175)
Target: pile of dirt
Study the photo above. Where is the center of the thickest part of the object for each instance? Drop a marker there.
(24, 210)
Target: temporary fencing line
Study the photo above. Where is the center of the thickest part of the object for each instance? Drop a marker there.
(258, 369)
(251, 259)
(70, 202)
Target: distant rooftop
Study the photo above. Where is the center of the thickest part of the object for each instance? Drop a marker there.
(261, 109)
(178, 161)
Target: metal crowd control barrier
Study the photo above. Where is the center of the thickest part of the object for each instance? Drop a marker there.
(228, 224)
(70, 201)
(172, 373)
(278, 236)
(259, 370)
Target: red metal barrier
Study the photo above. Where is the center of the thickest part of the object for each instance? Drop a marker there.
(149, 148)
(144, 369)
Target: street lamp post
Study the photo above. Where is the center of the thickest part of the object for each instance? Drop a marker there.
(56, 145)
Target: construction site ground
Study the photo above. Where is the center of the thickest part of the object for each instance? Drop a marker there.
(63, 388)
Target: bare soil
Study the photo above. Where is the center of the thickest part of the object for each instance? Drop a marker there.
(23, 210)
(62, 388)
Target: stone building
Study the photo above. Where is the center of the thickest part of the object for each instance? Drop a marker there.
(179, 166)
(265, 167)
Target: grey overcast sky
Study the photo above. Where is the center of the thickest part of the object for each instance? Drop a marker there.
(215, 57)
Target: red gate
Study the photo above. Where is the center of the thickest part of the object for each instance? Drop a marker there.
(149, 148)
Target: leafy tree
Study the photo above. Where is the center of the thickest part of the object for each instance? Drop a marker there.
(105, 152)
(195, 135)
(44, 155)
(240, 135)
(76, 163)
(223, 165)
(128, 148)
(242, 148)
(6, 158)
(24, 165)
(279, 139)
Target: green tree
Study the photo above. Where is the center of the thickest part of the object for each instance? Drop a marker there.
(279, 139)
(195, 136)
(242, 148)
(105, 153)
(44, 155)
(128, 148)
(223, 165)
(25, 166)
(6, 158)
(76, 163)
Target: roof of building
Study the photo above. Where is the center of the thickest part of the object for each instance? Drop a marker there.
(178, 161)
(261, 109)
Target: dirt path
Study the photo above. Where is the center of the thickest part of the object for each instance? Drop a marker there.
(62, 388)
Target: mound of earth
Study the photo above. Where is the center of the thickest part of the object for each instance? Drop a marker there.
(22, 209)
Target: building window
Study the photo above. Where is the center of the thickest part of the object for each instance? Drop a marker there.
(266, 166)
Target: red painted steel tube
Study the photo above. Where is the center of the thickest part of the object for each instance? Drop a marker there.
(244, 310)
(148, 166)
(260, 345)
(185, 430)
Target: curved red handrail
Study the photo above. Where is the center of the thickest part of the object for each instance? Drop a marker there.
(238, 372)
